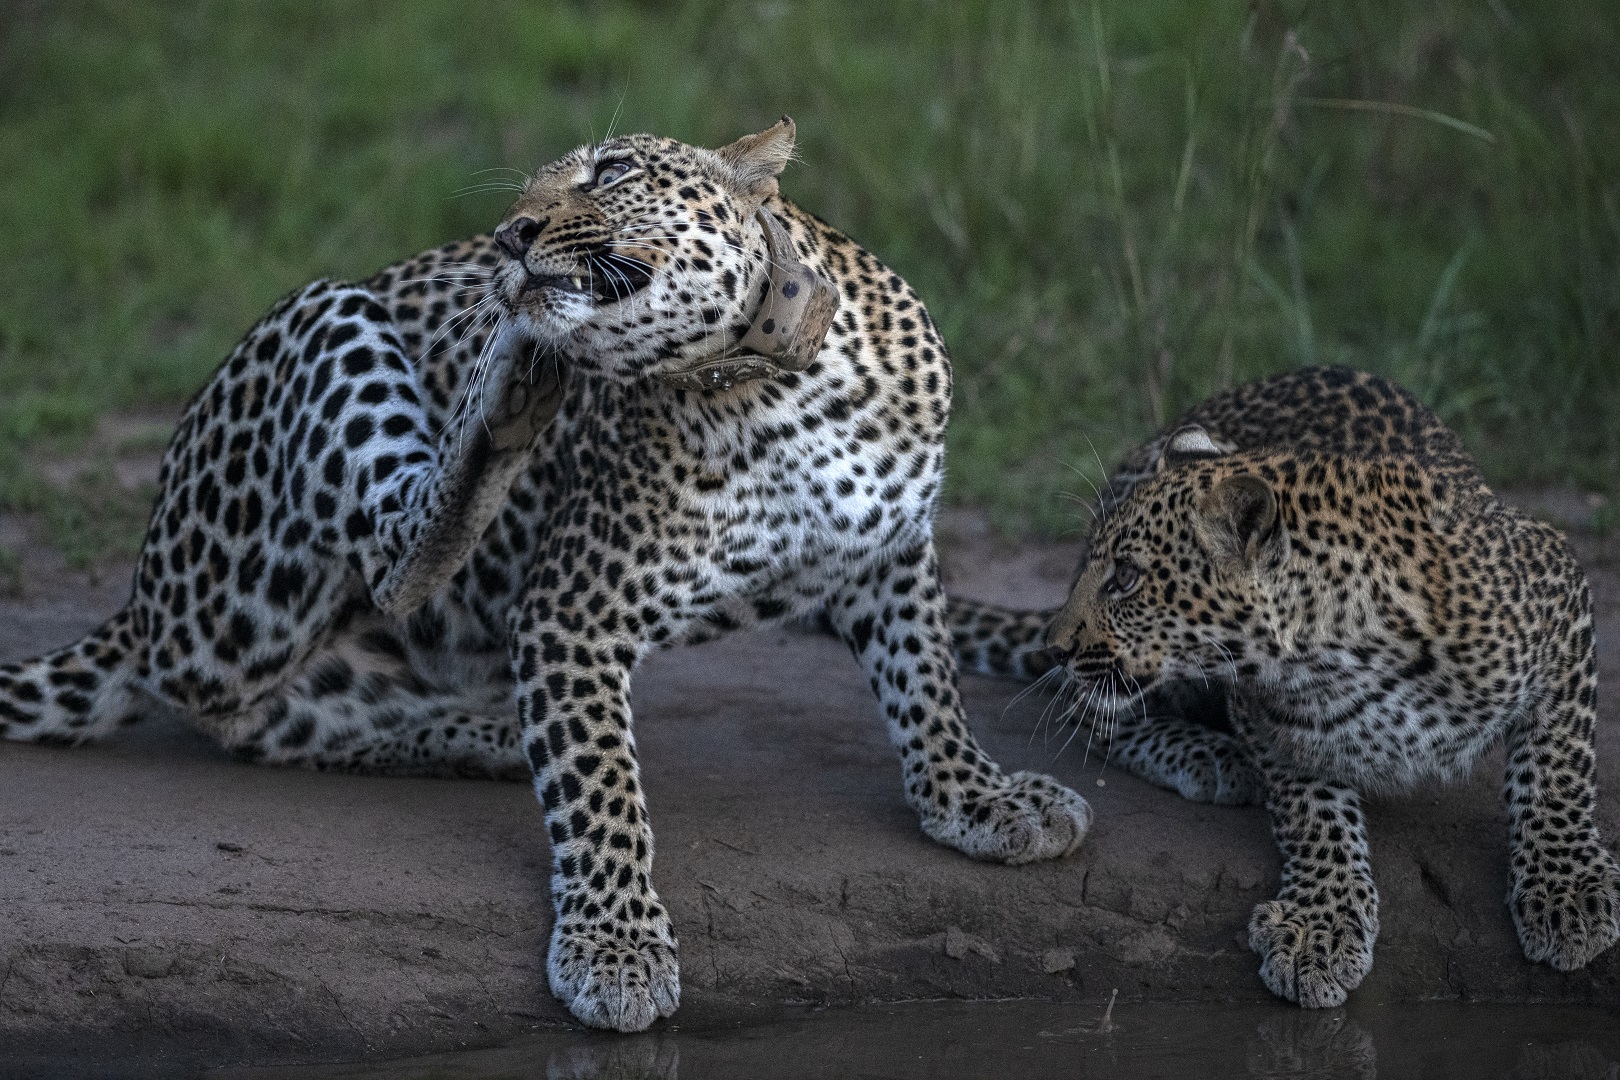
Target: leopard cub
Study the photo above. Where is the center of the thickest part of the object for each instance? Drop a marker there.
(1324, 546)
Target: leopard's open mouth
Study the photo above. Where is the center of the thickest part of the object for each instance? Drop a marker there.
(604, 277)
(576, 284)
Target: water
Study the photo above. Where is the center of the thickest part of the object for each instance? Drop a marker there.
(1011, 1040)
(1015, 1040)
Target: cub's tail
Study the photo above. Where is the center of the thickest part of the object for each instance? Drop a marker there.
(75, 694)
(993, 640)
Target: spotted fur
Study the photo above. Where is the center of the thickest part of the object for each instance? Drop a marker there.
(1313, 408)
(1321, 545)
(430, 522)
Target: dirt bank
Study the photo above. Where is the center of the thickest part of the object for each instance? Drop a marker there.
(158, 893)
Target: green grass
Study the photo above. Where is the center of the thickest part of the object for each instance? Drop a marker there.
(1112, 209)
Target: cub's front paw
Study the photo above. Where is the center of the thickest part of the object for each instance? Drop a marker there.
(1566, 920)
(1024, 818)
(1312, 955)
(1219, 772)
(612, 974)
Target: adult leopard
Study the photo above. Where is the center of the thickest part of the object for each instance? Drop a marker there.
(1321, 544)
(429, 523)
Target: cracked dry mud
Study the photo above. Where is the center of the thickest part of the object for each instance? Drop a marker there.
(153, 887)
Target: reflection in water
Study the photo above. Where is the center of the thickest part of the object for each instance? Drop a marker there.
(1017, 1040)
(1311, 1043)
(633, 1057)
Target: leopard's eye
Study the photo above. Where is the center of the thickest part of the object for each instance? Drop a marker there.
(1125, 578)
(609, 171)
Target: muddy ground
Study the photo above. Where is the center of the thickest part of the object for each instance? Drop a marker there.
(156, 894)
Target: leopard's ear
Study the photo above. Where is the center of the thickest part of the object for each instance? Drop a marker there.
(1238, 522)
(755, 161)
(1190, 443)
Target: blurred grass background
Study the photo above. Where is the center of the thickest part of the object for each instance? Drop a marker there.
(1112, 208)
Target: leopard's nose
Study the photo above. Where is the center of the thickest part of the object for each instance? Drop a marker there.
(517, 236)
(1063, 639)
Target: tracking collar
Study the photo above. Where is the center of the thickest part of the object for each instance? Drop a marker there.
(787, 331)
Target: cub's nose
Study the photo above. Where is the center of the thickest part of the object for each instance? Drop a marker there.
(1062, 641)
(517, 236)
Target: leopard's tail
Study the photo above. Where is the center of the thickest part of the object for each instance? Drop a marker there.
(992, 640)
(75, 694)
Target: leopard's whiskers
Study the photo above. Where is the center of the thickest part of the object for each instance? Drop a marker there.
(1028, 690)
(1095, 491)
(1040, 721)
(1113, 497)
(449, 324)
(480, 369)
(486, 186)
(1081, 712)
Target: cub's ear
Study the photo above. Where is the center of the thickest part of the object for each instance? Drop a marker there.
(1238, 522)
(755, 161)
(1186, 444)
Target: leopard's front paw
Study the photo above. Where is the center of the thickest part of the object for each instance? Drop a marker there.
(1220, 773)
(1564, 920)
(619, 975)
(1312, 955)
(1025, 817)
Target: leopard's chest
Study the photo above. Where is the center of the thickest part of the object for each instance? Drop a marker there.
(766, 523)
(1381, 721)
(779, 530)
(799, 521)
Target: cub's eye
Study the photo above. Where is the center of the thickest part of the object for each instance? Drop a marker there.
(1125, 578)
(609, 171)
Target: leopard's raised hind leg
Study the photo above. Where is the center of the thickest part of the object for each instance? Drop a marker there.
(362, 707)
